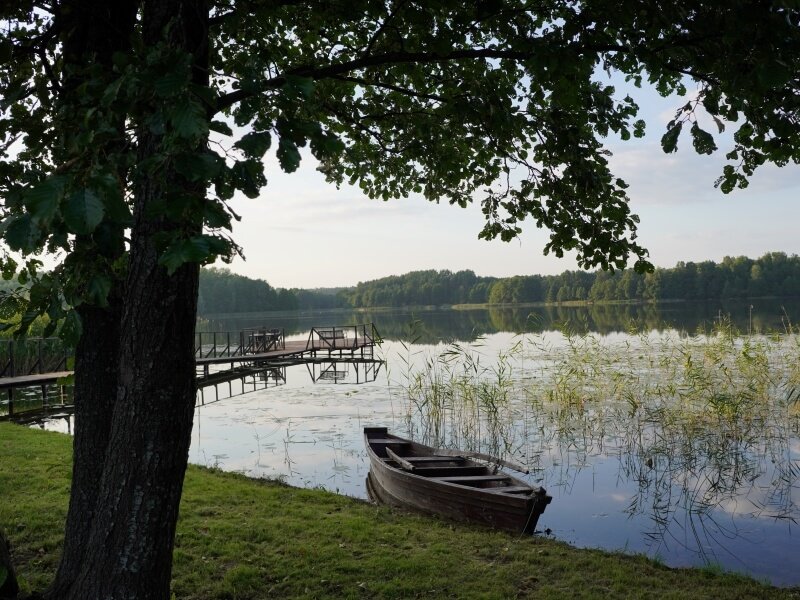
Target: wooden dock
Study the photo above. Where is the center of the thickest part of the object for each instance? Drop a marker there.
(244, 353)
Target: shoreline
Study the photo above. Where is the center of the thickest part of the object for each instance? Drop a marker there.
(251, 538)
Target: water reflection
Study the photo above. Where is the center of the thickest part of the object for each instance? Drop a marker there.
(650, 439)
(685, 448)
(434, 326)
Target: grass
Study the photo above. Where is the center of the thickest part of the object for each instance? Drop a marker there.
(245, 538)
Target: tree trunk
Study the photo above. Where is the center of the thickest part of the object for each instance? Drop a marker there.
(96, 363)
(128, 552)
(91, 32)
(8, 578)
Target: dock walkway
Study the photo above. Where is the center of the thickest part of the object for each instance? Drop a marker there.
(245, 351)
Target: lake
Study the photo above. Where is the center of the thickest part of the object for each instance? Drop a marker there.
(672, 431)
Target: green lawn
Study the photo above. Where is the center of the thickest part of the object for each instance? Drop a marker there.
(245, 538)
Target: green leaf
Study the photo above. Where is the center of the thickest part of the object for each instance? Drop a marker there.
(215, 216)
(299, 86)
(40, 291)
(183, 251)
(111, 92)
(98, 289)
(43, 199)
(188, 119)
(197, 167)
(702, 140)
(83, 212)
(288, 155)
(8, 267)
(172, 83)
(21, 233)
(774, 74)
(255, 144)
(220, 127)
(28, 317)
(198, 249)
(669, 141)
(326, 145)
(248, 176)
(6, 49)
(71, 329)
(10, 305)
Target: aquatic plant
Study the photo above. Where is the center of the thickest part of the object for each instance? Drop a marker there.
(703, 424)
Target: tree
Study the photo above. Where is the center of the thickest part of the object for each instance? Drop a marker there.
(120, 154)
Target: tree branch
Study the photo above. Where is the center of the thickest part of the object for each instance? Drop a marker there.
(377, 60)
(382, 27)
(247, 8)
(389, 86)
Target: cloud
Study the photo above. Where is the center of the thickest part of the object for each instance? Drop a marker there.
(686, 177)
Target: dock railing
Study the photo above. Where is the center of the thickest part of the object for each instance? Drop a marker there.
(348, 337)
(213, 344)
(261, 340)
(223, 344)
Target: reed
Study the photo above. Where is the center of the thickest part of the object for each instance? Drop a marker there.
(452, 398)
(698, 422)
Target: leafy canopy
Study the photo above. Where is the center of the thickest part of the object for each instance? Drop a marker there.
(494, 101)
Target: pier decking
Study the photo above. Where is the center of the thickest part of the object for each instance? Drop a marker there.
(224, 356)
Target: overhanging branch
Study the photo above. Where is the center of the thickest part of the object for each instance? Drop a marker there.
(377, 60)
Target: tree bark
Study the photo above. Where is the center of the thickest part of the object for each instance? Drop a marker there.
(128, 553)
(8, 578)
(92, 31)
(96, 364)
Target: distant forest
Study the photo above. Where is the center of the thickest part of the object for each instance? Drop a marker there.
(774, 274)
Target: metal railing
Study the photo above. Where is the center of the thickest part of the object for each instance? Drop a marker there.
(222, 344)
(346, 337)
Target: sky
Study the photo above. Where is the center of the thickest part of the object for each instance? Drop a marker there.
(303, 232)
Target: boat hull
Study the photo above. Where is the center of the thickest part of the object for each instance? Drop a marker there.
(390, 484)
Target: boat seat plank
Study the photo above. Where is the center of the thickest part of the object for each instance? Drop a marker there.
(387, 441)
(451, 471)
(472, 478)
(426, 459)
(509, 489)
(400, 460)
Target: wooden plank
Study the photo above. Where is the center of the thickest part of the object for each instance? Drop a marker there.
(480, 455)
(25, 380)
(509, 489)
(400, 460)
(451, 470)
(427, 459)
(387, 441)
(291, 348)
(473, 478)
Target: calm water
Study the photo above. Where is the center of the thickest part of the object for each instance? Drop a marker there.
(689, 491)
(709, 478)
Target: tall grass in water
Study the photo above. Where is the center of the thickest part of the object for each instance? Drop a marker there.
(452, 399)
(703, 425)
(698, 423)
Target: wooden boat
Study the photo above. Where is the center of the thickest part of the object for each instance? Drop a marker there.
(449, 483)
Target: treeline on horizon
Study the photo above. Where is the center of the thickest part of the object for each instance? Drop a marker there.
(775, 274)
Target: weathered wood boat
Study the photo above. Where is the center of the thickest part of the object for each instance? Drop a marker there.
(449, 483)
